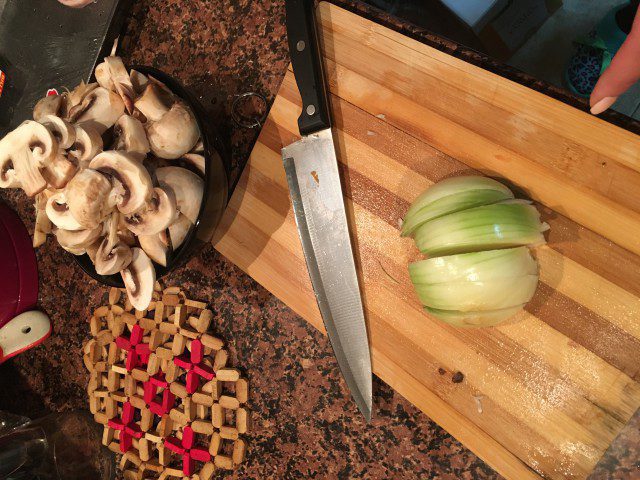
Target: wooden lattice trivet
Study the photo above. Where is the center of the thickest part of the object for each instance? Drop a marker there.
(160, 386)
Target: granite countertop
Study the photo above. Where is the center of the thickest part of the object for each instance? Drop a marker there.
(304, 423)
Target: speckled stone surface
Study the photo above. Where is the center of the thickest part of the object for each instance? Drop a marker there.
(304, 424)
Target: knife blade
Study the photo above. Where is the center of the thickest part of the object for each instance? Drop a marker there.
(312, 173)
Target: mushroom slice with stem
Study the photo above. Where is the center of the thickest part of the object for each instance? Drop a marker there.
(75, 98)
(50, 105)
(87, 145)
(156, 247)
(178, 231)
(89, 197)
(101, 108)
(109, 261)
(175, 134)
(130, 136)
(187, 187)
(193, 162)
(112, 75)
(159, 214)
(112, 255)
(132, 184)
(23, 152)
(59, 171)
(139, 279)
(58, 212)
(154, 102)
(62, 130)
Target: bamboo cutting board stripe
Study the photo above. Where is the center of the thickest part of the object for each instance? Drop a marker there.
(544, 395)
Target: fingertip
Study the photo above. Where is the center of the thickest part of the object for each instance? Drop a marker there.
(602, 105)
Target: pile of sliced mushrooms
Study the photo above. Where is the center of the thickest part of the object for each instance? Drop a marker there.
(116, 169)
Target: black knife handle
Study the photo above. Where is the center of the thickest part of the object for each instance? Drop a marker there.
(306, 59)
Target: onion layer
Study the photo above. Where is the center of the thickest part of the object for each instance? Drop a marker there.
(474, 267)
(481, 228)
(450, 204)
(466, 296)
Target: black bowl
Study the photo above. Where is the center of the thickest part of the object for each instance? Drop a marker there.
(216, 188)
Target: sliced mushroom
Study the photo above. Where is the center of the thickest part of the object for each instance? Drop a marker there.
(156, 247)
(22, 153)
(175, 133)
(75, 98)
(59, 171)
(187, 187)
(49, 105)
(112, 255)
(139, 279)
(78, 240)
(178, 231)
(89, 198)
(112, 75)
(87, 145)
(59, 214)
(154, 102)
(132, 183)
(43, 224)
(160, 212)
(130, 135)
(103, 76)
(92, 250)
(194, 162)
(127, 237)
(139, 81)
(100, 109)
(112, 260)
(62, 130)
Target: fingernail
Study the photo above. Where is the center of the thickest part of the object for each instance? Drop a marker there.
(601, 105)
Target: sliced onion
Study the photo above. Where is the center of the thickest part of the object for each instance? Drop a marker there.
(453, 186)
(481, 228)
(468, 296)
(486, 318)
(474, 267)
(450, 204)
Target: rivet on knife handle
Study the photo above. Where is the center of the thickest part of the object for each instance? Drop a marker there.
(306, 59)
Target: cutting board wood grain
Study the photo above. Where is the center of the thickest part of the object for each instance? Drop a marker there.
(544, 395)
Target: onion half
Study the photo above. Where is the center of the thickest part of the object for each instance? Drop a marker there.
(475, 233)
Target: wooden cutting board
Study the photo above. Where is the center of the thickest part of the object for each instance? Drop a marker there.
(544, 395)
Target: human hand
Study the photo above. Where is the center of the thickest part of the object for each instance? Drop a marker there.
(623, 72)
(76, 3)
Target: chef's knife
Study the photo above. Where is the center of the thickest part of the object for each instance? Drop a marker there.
(314, 184)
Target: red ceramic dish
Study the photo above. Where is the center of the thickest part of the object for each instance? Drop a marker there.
(18, 268)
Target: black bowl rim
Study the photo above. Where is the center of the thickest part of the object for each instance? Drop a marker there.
(211, 140)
